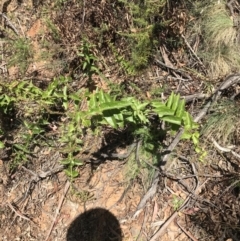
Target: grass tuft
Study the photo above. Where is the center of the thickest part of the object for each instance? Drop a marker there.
(220, 41)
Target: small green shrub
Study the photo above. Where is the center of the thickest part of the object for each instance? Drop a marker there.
(22, 54)
(36, 106)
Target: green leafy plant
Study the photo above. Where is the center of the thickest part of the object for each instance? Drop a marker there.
(23, 53)
(176, 202)
(88, 59)
(102, 109)
(142, 38)
(71, 163)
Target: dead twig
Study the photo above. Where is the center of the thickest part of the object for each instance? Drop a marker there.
(163, 228)
(9, 24)
(67, 185)
(192, 51)
(224, 149)
(42, 175)
(153, 189)
(191, 194)
(190, 98)
(186, 232)
(18, 213)
(228, 82)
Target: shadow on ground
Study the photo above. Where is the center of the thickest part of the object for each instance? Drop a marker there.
(95, 224)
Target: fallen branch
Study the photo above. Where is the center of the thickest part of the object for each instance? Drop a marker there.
(9, 24)
(229, 81)
(225, 149)
(195, 55)
(153, 189)
(186, 232)
(67, 185)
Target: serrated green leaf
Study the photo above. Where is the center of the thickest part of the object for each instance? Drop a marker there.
(187, 120)
(22, 148)
(74, 174)
(180, 109)
(141, 106)
(186, 135)
(143, 118)
(71, 173)
(170, 100)
(198, 150)
(175, 102)
(95, 111)
(157, 104)
(75, 97)
(118, 117)
(128, 99)
(195, 125)
(195, 140)
(65, 161)
(172, 119)
(102, 98)
(114, 105)
(130, 119)
(56, 94)
(84, 65)
(65, 105)
(1, 145)
(93, 101)
(77, 162)
(164, 111)
(111, 121)
(108, 98)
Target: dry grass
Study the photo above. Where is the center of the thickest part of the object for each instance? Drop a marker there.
(220, 41)
(223, 122)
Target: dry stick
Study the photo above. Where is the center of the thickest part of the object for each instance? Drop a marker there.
(9, 23)
(67, 185)
(162, 230)
(18, 213)
(229, 81)
(195, 55)
(189, 98)
(224, 149)
(84, 13)
(229, 4)
(187, 232)
(152, 191)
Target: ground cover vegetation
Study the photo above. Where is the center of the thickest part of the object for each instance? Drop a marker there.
(83, 78)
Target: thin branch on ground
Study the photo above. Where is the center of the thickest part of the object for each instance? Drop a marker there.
(186, 232)
(191, 194)
(153, 189)
(67, 185)
(224, 149)
(18, 213)
(189, 98)
(163, 228)
(228, 82)
(192, 51)
(9, 24)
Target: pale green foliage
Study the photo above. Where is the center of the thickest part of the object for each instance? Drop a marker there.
(102, 109)
(177, 202)
(22, 53)
(141, 39)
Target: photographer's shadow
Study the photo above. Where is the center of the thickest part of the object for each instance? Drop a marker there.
(96, 224)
